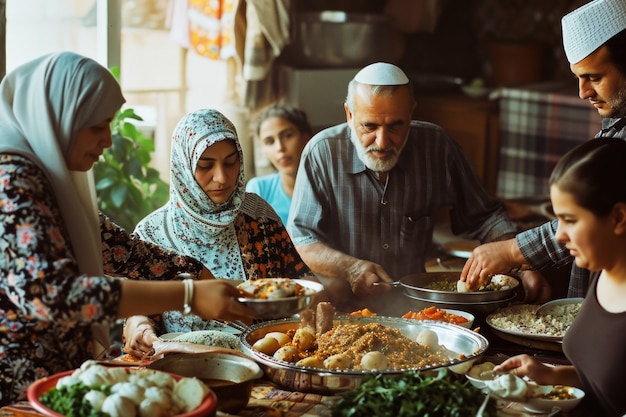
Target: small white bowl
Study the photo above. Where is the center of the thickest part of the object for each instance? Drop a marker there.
(545, 405)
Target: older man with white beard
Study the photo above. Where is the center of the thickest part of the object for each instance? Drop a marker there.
(368, 192)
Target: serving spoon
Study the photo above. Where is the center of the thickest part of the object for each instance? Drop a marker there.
(546, 307)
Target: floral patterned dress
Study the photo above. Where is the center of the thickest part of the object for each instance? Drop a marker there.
(46, 305)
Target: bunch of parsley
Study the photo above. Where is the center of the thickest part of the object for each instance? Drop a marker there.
(68, 400)
(413, 395)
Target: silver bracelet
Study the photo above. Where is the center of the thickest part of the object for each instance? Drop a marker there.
(188, 283)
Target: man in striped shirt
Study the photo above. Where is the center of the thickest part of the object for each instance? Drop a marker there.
(594, 38)
(368, 192)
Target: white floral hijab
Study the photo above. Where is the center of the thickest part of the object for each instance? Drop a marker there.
(191, 223)
(43, 103)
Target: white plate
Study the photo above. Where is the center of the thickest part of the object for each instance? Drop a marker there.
(539, 405)
(515, 313)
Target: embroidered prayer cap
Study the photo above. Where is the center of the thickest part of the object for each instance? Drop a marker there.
(381, 73)
(590, 26)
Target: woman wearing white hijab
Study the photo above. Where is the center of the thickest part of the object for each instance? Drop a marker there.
(55, 115)
(210, 217)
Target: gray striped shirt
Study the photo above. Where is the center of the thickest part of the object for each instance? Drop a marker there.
(339, 202)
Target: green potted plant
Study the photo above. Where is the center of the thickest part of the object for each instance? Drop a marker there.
(128, 188)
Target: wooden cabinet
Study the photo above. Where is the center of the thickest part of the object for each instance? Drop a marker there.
(473, 123)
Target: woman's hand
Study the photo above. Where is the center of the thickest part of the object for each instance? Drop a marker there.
(138, 336)
(217, 299)
(525, 365)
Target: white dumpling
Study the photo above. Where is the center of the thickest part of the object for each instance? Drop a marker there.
(461, 286)
(429, 339)
(67, 381)
(95, 398)
(160, 395)
(117, 406)
(118, 374)
(150, 407)
(374, 360)
(129, 390)
(95, 375)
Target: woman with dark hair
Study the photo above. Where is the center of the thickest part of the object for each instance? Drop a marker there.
(283, 132)
(588, 193)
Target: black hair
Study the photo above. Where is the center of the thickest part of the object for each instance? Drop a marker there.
(594, 173)
(293, 115)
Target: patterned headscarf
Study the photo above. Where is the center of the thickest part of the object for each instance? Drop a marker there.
(191, 223)
(43, 103)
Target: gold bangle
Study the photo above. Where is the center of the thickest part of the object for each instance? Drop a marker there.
(188, 283)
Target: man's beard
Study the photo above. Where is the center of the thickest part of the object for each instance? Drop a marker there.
(618, 102)
(371, 162)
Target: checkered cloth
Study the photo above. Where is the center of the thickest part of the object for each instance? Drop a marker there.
(538, 125)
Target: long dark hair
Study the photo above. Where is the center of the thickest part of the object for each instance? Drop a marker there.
(594, 173)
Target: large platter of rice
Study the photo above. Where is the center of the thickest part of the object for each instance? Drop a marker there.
(522, 320)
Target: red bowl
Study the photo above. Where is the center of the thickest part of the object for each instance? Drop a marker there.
(208, 407)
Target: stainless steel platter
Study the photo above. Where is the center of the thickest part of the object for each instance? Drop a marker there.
(307, 379)
(269, 309)
(416, 286)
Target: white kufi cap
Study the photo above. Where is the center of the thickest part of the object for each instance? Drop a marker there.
(381, 73)
(590, 26)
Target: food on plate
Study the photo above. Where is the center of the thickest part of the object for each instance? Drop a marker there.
(267, 344)
(434, 313)
(287, 354)
(476, 370)
(387, 396)
(429, 339)
(209, 338)
(272, 289)
(558, 392)
(304, 339)
(362, 313)
(522, 318)
(374, 360)
(345, 346)
(196, 342)
(123, 392)
(508, 386)
(498, 282)
(324, 315)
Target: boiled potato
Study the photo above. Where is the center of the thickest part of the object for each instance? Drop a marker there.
(374, 360)
(267, 344)
(338, 361)
(311, 362)
(287, 354)
(281, 337)
(304, 339)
